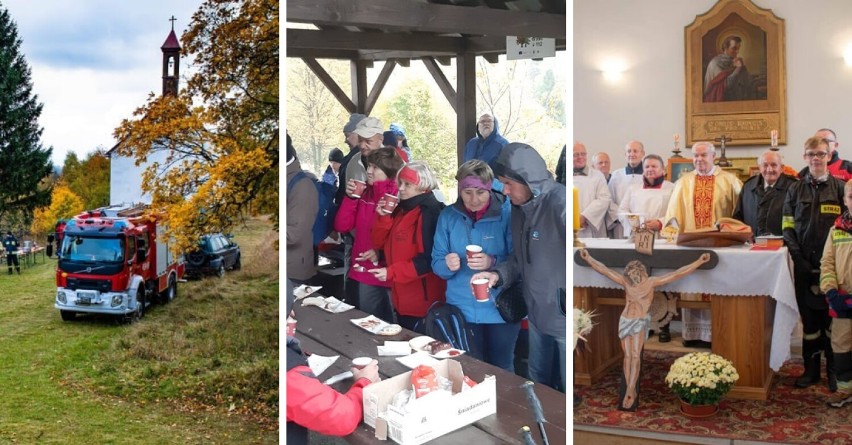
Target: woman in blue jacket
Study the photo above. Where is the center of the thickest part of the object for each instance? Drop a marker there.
(479, 216)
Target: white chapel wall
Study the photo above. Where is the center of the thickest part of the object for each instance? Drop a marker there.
(648, 103)
(125, 179)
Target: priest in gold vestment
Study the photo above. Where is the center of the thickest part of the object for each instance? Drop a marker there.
(699, 199)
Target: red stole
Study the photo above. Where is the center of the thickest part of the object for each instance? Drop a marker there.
(703, 201)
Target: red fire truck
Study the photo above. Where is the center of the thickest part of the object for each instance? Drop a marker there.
(114, 260)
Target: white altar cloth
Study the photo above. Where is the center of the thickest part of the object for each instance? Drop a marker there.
(740, 271)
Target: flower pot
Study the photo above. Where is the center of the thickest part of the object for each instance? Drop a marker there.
(698, 411)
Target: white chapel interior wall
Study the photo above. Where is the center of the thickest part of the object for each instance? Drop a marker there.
(648, 102)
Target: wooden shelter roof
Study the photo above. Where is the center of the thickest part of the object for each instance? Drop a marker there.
(432, 31)
(411, 29)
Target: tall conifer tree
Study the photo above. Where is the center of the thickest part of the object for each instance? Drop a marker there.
(24, 163)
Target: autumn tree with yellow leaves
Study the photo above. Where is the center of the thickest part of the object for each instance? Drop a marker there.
(63, 205)
(220, 133)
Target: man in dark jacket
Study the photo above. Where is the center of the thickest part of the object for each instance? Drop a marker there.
(10, 245)
(538, 258)
(350, 287)
(762, 198)
(302, 208)
(810, 209)
(487, 143)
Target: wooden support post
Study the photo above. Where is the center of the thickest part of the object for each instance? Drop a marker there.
(465, 100)
(358, 74)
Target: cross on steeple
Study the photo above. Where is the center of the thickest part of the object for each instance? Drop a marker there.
(173, 19)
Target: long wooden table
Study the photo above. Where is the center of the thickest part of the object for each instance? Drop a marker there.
(329, 334)
(753, 314)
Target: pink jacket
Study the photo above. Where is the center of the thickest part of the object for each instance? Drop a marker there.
(360, 214)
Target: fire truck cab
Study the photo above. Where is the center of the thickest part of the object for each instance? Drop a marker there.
(114, 260)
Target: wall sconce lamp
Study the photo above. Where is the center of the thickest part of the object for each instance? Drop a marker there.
(613, 69)
(847, 55)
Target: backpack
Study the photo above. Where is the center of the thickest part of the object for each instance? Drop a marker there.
(324, 222)
(446, 323)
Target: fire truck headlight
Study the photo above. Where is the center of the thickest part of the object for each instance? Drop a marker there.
(116, 300)
(60, 297)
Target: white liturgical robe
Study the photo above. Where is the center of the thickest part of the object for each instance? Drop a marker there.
(594, 202)
(651, 203)
(619, 183)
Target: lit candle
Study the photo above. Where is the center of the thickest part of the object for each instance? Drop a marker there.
(676, 139)
(576, 210)
(774, 136)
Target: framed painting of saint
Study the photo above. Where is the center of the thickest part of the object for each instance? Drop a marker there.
(735, 75)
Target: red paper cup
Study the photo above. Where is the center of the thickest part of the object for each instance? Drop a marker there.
(360, 186)
(291, 327)
(390, 202)
(361, 362)
(472, 249)
(480, 289)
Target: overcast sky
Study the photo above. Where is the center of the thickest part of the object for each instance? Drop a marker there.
(93, 62)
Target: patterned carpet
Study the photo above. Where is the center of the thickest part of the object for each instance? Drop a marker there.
(791, 415)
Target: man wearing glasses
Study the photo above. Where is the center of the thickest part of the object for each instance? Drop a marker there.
(810, 209)
(839, 168)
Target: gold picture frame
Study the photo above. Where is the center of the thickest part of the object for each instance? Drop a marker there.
(742, 99)
(677, 167)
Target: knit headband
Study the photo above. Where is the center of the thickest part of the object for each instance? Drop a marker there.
(473, 182)
(409, 175)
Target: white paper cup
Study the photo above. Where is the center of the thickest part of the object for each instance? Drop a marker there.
(361, 362)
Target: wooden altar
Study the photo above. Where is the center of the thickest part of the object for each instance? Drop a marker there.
(748, 320)
(752, 330)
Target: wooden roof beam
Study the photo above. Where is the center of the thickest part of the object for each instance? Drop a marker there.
(302, 53)
(425, 17)
(379, 85)
(346, 40)
(440, 79)
(329, 83)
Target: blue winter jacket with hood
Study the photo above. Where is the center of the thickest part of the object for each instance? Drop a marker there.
(485, 149)
(454, 232)
(539, 238)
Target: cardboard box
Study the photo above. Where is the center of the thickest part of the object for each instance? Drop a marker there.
(432, 415)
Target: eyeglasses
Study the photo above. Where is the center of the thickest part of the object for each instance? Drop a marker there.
(816, 154)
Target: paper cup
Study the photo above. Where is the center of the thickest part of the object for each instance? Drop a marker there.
(360, 186)
(390, 202)
(361, 362)
(472, 249)
(291, 327)
(480, 289)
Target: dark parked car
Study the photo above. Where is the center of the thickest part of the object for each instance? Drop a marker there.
(215, 253)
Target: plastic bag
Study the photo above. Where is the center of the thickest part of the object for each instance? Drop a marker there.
(424, 379)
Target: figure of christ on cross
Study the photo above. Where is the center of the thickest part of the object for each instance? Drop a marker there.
(634, 322)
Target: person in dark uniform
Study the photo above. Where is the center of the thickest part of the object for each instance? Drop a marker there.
(10, 245)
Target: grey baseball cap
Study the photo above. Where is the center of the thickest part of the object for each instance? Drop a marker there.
(353, 122)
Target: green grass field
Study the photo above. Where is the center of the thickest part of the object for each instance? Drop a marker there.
(200, 370)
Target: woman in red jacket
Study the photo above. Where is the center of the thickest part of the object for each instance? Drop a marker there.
(311, 405)
(406, 237)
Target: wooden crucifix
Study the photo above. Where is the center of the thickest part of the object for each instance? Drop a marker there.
(723, 161)
(639, 285)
